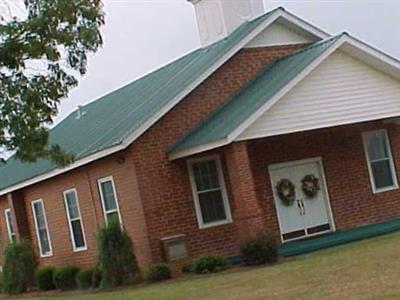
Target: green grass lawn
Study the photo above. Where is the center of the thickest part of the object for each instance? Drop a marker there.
(368, 269)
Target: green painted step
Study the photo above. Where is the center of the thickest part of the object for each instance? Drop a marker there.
(338, 238)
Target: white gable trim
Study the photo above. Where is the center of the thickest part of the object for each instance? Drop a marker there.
(278, 35)
(350, 44)
(279, 13)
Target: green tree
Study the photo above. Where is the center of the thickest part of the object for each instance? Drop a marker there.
(44, 46)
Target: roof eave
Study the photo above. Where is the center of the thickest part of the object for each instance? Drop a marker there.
(278, 13)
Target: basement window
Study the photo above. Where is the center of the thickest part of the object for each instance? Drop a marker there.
(109, 200)
(209, 192)
(42, 229)
(380, 161)
(74, 220)
(10, 225)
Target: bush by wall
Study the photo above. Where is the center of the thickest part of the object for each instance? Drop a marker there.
(208, 264)
(96, 277)
(84, 279)
(44, 278)
(158, 272)
(261, 249)
(18, 268)
(64, 278)
(116, 258)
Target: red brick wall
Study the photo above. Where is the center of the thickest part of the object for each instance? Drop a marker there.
(164, 185)
(346, 171)
(3, 227)
(84, 180)
(147, 178)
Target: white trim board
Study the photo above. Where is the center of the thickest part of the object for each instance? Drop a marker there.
(279, 13)
(347, 44)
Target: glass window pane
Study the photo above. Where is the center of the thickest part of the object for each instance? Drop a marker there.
(108, 195)
(113, 217)
(44, 241)
(40, 215)
(42, 228)
(382, 174)
(206, 175)
(10, 222)
(72, 205)
(376, 145)
(212, 206)
(77, 233)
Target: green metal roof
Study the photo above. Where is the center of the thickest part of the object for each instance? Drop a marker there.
(223, 121)
(108, 121)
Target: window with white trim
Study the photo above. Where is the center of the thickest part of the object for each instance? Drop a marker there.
(12, 236)
(42, 229)
(109, 200)
(74, 220)
(380, 161)
(209, 192)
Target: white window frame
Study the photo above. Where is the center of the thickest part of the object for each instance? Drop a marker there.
(391, 162)
(222, 187)
(50, 253)
(105, 213)
(11, 235)
(75, 249)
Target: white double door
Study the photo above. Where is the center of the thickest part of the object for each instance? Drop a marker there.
(305, 217)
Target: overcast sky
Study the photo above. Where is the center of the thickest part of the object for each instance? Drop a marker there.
(141, 35)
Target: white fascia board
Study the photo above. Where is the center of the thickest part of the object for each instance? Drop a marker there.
(372, 56)
(304, 25)
(198, 149)
(58, 171)
(242, 127)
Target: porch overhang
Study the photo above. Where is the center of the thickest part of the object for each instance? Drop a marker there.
(261, 95)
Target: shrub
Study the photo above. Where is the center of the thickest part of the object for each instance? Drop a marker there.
(209, 264)
(158, 272)
(96, 277)
(261, 249)
(84, 279)
(115, 256)
(64, 278)
(19, 268)
(44, 278)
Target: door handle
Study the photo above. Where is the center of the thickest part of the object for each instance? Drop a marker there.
(302, 206)
(299, 206)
